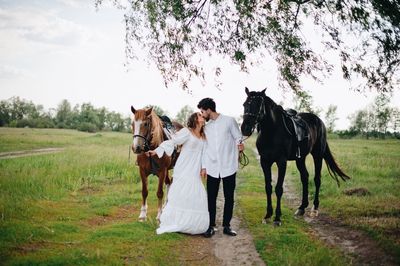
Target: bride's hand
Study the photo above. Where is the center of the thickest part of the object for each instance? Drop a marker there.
(150, 153)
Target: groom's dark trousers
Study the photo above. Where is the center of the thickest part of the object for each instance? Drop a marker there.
(229, 184)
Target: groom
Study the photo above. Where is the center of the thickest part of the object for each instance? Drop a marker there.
(220, 161)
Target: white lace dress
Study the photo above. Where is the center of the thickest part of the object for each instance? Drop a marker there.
(186, 209)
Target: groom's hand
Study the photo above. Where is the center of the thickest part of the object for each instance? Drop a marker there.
(203, 173)
(241, 147)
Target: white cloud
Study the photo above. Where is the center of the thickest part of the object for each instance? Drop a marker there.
(41, 26)
(9, 72)
(77, 3)
(63, 50)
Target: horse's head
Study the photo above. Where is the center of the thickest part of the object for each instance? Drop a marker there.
(141, 129)
(254, 110)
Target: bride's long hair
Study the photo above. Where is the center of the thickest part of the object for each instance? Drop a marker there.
(192, 122)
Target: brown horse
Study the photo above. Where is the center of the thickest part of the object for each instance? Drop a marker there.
(148, 134)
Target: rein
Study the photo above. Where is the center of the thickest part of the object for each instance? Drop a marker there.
(243, 159)
(146, 142)
(147, 139)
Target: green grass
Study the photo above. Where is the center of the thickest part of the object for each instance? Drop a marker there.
(80, 206)
(289, 244)
(372, 164)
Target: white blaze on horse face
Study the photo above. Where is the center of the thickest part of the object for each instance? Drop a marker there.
(136, 131)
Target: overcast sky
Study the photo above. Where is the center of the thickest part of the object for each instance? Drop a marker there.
(65, 49)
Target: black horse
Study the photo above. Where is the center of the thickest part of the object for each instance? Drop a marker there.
(284, 136)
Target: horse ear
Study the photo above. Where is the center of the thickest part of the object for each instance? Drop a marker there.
(133, 109)
(148, 111)
(247, 91)
(263, 91)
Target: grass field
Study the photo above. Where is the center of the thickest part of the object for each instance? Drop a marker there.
(373, 166)
(80, 206)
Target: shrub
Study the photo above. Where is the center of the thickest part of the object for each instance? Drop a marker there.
(87, 127)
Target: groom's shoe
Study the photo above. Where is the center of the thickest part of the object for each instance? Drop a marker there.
(210, 232)
(228, 231)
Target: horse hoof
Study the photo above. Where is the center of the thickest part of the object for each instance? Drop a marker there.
(142, 219)
(277, 223)
(299, 212)
(266, 219)
(314, 213)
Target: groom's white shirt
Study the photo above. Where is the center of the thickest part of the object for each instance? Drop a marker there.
(220, 154)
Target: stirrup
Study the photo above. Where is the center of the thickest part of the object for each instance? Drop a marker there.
(298, 153)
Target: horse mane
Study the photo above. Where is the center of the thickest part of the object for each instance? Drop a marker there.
(157, 130)
(270, 102)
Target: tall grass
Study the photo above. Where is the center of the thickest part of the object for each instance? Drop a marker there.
(373, 166)
(78, 206)
(290, 244)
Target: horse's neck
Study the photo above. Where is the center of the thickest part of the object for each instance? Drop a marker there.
(156, 138)
(271, 120)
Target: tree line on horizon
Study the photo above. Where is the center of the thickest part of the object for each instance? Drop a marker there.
(17, 112)
(377, 120)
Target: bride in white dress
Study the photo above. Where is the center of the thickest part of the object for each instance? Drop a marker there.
(186, 209)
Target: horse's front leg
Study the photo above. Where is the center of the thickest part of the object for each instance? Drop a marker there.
(168, 182)
(145, 192)
(160, 192)
(279, 191)
(266, 166)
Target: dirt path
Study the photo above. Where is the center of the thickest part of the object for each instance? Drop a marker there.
(238, 250)
(16, 154)
(354, 243)
(357, 245)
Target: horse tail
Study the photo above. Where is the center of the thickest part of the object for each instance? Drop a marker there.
(333, 168)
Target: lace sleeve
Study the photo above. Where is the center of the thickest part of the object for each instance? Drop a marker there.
(168, 146)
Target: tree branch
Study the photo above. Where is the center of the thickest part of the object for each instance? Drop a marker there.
(199, 9)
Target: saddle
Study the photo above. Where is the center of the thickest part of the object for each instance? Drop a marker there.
(168, 129)
(300, 127)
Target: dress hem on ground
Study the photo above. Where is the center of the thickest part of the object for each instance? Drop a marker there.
(185, 221)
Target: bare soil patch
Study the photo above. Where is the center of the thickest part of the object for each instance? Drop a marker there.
(122, 213)
(356, 192)
(357, 245)
(237, 250)
(199, 250)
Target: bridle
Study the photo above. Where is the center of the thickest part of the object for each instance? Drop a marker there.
(259, 115)
(147, 138)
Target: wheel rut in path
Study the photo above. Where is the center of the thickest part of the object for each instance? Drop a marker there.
(17, 154)
(234, 250)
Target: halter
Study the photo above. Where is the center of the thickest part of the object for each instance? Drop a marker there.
(260, 114)
(146, 139)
